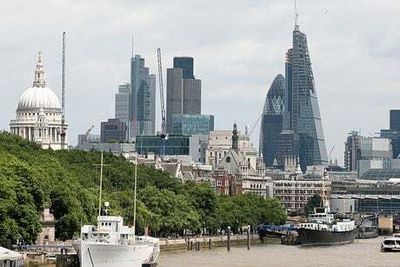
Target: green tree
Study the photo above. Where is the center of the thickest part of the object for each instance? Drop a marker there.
(314, 201)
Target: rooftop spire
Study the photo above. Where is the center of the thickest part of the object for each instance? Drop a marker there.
(39, 73)
(296, 16)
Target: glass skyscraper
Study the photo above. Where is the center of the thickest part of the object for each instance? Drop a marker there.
(305, 118)
(141, 98)
(272, 119)
(291, 122)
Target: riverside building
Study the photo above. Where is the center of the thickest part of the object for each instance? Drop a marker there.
(39, 114)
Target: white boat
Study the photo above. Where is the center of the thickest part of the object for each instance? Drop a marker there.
(112, 244)
(391, 243)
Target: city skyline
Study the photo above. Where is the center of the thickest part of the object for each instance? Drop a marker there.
(353, 54)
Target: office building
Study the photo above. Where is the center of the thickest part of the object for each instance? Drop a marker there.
(153, 109)
(303, 110)
(183, 94)
(186, 64)
(352, 151)
(272, 120)
(192, 124)
(122, 99)
(140, 106)
(394, 132)
(113, 131)
(174, 145)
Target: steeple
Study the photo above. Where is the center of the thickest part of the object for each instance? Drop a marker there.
(39, 73)
(235, 137)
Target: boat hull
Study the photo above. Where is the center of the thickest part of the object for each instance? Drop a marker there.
(310, 237)
(96, 254)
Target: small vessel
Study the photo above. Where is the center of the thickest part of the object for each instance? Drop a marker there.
(391, 243)
(323, 228)
(110, 243)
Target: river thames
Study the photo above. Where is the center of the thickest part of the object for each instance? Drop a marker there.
(363, 252)
(360, 253)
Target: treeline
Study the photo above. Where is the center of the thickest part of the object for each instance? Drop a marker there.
(67, 182)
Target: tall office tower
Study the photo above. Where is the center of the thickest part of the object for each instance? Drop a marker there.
(272, 119)
(305, 119)
(394, 132)
(122, 99)
(140, 98)
(183, 94)
(153, 79)
(186, 64)
(352, 151)
(394, 119)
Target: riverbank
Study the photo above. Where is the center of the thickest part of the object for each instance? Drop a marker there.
(365, 252)
(209, 242)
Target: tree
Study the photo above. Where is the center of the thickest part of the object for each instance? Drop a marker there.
(314, 201)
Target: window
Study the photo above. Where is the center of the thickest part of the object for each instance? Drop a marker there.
(228, 159)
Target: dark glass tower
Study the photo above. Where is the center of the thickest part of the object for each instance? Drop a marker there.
(305, 118)
(272, 119)
(186, 64)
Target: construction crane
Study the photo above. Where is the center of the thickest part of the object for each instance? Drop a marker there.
(163, 134)
(330, 153)
(62, 132)
(255, 124)
(85, 137)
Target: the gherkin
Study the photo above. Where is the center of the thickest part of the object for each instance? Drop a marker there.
(272, 119)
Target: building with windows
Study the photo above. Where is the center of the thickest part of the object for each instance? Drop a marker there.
(303, 107)
(294, 193)
(39, 115)
(174, 144)
(113, 131)
(291, 124)
(183, 91)
(272, 120)
(393, 133)
(141, 98)
(185, 124)
(122, 99)
(241, 172)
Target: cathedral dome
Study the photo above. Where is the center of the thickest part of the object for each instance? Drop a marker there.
(35, 98)
(39, 96)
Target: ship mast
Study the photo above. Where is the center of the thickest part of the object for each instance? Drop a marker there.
(134, 202)
(101, 188)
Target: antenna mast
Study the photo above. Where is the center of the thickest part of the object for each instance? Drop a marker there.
(296, 16)
(62, 133)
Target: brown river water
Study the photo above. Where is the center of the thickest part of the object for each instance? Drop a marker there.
(360, 253)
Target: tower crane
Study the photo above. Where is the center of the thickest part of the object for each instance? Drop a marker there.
(255, 125)
(163, 135)
(62, 132)
(87, 133)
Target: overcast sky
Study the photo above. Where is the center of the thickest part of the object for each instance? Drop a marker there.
(238, 47)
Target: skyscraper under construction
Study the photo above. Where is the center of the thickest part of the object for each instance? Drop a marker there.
(301, 117)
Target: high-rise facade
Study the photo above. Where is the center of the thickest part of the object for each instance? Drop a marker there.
(153, 109)
(183, 94)
(394, 132)
(305, 118)
(122, 99)
(291, 125)
(186, 64)
(272, 119)
(141, 101)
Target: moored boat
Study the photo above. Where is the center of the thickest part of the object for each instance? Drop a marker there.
(391, 244)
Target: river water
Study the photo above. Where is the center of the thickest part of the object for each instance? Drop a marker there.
(360, 253)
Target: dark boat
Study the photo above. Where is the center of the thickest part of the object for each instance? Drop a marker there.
(318, 237)
(324, 229)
